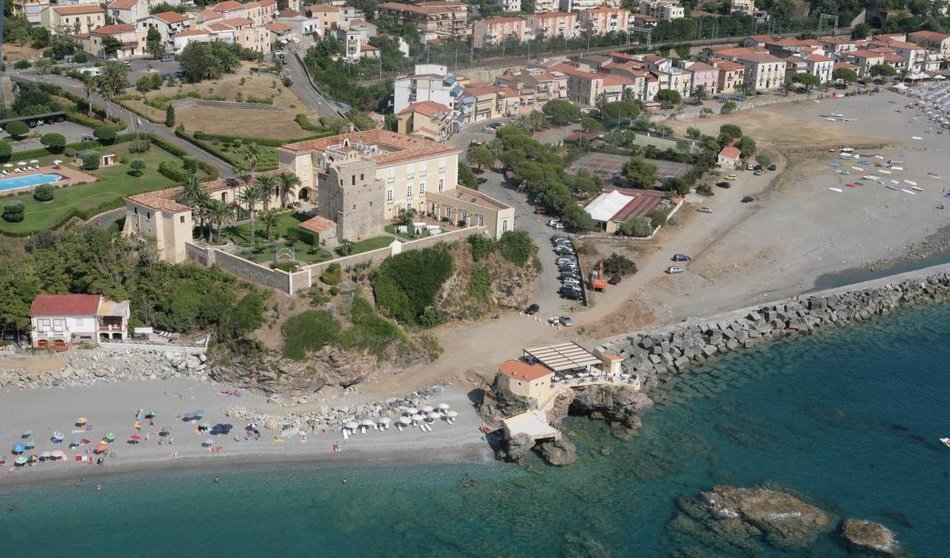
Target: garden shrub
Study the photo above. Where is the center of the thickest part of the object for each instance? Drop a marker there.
(14, 212)
(309, 331)
(43, 193)
(405, 285)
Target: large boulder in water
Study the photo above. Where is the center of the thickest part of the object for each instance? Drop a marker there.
(784, 520)
(869, 536)
(613, 403)
(560, 452)
(518, 446)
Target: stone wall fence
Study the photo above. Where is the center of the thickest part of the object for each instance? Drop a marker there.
(656, 355)
(255, 273)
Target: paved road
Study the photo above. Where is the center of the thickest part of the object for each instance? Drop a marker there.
(305, 90)
(547, 285)
(136, 123)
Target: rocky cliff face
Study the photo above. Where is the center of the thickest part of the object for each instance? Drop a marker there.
(330, 367)
(613, 403)
(477, 289)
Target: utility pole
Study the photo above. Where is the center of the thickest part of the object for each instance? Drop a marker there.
(2, 103)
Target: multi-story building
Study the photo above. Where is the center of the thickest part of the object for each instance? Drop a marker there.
(443, 19)
(704, 76)
(32, 10)
(496, 30)
(329, 18)
(915, 55)
(365, 178)
(73, 20)
(601, 21)
(300, 24)
(762, 70)
(168, 25)
(819, 65)
(731, 75)
(131, 41)
(509, 5)
(582, 5)
(58, 321)
(542, 6)
(551, 25)
(864, 59)
(428, 82)
(939, 43)
(662, 10)
(746, 7)
(427, 119)
(127, 11)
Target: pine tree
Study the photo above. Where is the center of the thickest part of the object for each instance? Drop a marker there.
(170, 116)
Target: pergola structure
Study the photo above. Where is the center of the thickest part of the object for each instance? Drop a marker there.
(563, 356)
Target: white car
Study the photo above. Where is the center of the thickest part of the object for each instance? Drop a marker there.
(573, 282)
(555, 224)
(704, 209)
(673, 270)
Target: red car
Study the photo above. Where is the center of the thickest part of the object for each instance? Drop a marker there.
(615, 279)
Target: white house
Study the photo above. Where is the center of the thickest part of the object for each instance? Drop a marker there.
(729, 157)
(58, 321)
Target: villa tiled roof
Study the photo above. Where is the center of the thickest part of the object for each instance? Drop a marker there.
(237, 22)
(520, 370)
(426, 108)
(170, 17)
(278, 27)
(318, 225)
(78, 10)
(195, 33)
(227, 6)
(161, 200)
(929, 36)
(395, 147)
(730, 152)
(65, 305)
(123, 4)
(114, 29)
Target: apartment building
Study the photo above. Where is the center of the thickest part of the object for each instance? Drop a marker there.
(762, 70)
(731, 76)
(542, 6)
(74, 20)
(704, 76)
(364, 179)
(299, 23)
(496, 30)
(603, 20)
(939, 43)
(509, 5)
(915, 55)
(662, 10)
(428, 119)
(355, 37)
(428, 82)
(864, 59)
(168, 25)
(433, 19)
(551, 25)
(329, 18)
(819, 65)
(746, 7)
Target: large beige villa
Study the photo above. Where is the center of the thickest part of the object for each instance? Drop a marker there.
(360, 181)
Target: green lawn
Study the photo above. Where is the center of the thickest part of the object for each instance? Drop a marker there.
(85, 200)
(372, 244)
(241, 234)
(303, 252)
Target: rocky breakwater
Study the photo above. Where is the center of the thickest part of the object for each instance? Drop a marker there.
(85, 367)
(658, 355)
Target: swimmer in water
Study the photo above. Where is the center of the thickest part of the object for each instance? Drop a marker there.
(216, 480)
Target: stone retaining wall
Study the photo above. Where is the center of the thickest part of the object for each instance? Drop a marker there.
(253, 272)
(655, 355)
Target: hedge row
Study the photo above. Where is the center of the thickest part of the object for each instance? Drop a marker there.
(201, 136)
(173, 172)
(210, 171)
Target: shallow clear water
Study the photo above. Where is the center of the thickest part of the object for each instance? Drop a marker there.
(848, 420)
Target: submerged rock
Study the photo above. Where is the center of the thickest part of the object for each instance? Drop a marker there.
(561, 452)
(869, 536)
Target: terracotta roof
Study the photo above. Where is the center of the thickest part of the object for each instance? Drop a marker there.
(237, 22)
(219, 26)
(323, 8)
(318, 225)
(170, 17)
(65, 305)
(427, 108)
(699, 67)
(395, 147)
(278, 27)
(618, 80)
(122, 4)
(368, 48)
(817, 58)
(227, 6)
(462, 193)
(577, 136)
(730, 152)
(642, 204)
(503, 19)
(865, 54)
(205, 15)
(287, 12)
(894, 58)
(520, 370)
(845, 66)
(479, 89)
(113, 29)
(161, 200)
(728, 65)
(195, 33)
(79, 10)
(929, 36)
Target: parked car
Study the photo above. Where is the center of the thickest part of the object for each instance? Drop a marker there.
(772, 167)
(556, 224)
(748, 199)
(615, 279)
(724, 184)
(681, 258)
(704, 209)
(571, 282)
(673, 270)
(732, 176)
(481, 180)
(540, 210)
(569, 293)
(563, 250)
(568, 275)
(532, 310)
(757, 167)
(557, 237)
(758, 172)
(566, 321)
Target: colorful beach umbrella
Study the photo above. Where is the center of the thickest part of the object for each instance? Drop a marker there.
(81, 421)
(21, 461)
(151, 414)
(101, 447)
(109, 437)
(57, 437)
(18, 449)
(208, 442)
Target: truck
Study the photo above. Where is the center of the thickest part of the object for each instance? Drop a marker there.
(597, 281)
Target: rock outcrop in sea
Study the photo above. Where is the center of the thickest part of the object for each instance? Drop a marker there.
(867, 536)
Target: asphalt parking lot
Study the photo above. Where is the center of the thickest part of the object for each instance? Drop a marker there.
(71, 131)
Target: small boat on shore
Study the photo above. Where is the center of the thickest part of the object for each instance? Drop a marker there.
(946, 441)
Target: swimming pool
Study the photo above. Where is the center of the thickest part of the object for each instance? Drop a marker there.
(17, 182)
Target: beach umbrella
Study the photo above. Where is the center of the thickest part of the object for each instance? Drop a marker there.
(46, 455)
(384, 420)
(443, 406)
(451, 414)
(151, 414)
(8, 165)
(81, 421)
(74, 444)
(57, 161)
(369, 423)
(135, 437)
(433, 416)
(405, 420)
(208, 442)
(21, 461)
(18, 449)
(352, 425)
(26, 434)
(57, 437)
(59, 454)
(101, 447)
(28, 444)
(427, 409)
(411, 411)
(417, 418)
(21, 163)
(109, 437)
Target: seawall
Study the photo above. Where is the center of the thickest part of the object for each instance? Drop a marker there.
(658, 354)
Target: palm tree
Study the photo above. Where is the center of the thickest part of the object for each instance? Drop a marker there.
(270, 220)
(287, 181)
(200, 205)
(251, 195)
(252, 154)
(219, 213)
(267, 184)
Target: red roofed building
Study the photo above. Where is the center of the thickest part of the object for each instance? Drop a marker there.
(614, 207)
(729, 157)
(131, 39)
(524, 380)
(58, 321)
(427, 119)
(73, 20)
(937, 42)
(323, 229)
(168, 25)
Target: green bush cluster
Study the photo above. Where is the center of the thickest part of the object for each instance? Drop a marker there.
(43, 193)
(14, 212)
(309, 331)
(479, 286)
(333, 275)
(405, 285)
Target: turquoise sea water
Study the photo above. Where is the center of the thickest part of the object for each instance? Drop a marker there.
(848, 420)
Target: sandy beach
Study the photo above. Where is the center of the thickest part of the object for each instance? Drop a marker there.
(112, 408)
